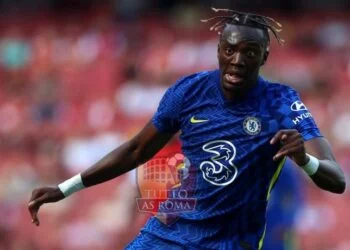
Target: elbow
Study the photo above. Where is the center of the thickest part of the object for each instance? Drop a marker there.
(340, 186)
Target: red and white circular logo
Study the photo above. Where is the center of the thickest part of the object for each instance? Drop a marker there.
(165, 187)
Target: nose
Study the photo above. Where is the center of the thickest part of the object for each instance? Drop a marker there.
(237, 60)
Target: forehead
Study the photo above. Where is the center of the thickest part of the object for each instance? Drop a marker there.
(234, 34)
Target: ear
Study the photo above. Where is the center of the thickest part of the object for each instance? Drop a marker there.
(218, 52)
(265, 56)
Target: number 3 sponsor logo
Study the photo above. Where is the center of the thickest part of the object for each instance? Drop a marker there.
(220, 169)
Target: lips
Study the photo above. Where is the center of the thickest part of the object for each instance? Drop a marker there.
(233, 78)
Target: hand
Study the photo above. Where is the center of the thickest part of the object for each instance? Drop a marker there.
(292, 145)
(39, 197)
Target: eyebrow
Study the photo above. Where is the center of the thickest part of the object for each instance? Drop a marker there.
(253, 43)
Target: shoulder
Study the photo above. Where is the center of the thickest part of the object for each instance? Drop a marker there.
(189, 81)
(280, 91)
(185, 87)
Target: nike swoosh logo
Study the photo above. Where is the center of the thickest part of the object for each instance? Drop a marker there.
(194, 120)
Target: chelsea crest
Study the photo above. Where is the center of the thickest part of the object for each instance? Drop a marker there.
(252, 125)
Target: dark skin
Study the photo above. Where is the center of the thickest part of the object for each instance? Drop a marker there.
(128, 156)
(241, 53)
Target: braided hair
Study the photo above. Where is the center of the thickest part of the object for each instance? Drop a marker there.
(247, 19)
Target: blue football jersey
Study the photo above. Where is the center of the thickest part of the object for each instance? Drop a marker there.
(231, 169)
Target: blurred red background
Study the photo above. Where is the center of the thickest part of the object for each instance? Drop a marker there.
(75, 83)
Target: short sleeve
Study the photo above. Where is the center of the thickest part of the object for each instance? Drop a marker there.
(297, 116)
(167, 119)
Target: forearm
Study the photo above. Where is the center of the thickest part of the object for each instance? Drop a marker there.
(127, 157)
(114, 164)
(329, 176)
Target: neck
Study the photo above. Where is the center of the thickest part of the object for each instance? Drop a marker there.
(234, 95)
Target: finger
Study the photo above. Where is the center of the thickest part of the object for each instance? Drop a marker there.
(35, 194)
(276, 137)
(282, 134)
(34, 207)
(33, 210)
(290, 144)
(284, 138)
(293, 143)
(286, 152)
(287, 139)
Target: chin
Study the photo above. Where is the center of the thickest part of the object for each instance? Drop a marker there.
(234, 87)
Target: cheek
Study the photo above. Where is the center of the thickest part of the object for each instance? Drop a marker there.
(255, 63)
(253, 68)
(223, 59)
(261, 59)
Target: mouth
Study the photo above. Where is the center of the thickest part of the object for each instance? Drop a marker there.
(233, 79)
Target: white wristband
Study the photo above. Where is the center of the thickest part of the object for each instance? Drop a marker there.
(71, 185)
(312, 166)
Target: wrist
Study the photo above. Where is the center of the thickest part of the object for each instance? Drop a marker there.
(71, 185)
(311, 166)
(304, 161)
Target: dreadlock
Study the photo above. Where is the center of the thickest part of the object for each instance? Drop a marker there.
(241, 18)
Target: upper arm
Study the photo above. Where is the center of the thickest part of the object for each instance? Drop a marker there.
(165, 123)
(149, 141)
(167, 118)
(297, 116)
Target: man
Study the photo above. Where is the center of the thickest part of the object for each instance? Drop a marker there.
(236, 130)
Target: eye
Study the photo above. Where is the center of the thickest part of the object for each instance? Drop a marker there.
(229, 51)
(251, 53)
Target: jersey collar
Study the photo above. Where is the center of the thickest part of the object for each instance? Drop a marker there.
(251, 95)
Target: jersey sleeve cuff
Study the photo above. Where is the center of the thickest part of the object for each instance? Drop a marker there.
(311, 134)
